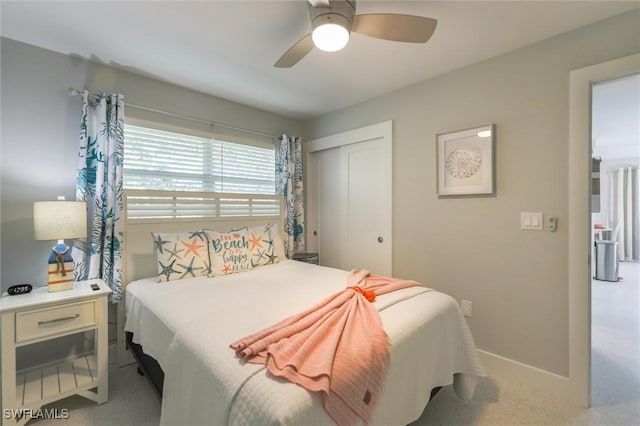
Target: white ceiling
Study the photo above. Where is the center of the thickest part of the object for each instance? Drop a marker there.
(228, 48)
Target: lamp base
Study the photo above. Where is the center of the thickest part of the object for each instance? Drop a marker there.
(60, 270)
(58, 282)
(60, 287)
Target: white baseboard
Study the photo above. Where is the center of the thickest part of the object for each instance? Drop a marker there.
(515, 371)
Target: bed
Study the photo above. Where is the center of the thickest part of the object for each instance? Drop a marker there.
(184, 326)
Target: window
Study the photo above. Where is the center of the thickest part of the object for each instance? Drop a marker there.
(167, 160)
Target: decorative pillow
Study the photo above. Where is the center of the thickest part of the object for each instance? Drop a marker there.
(265, 245)
(229, 251)
(181, 255)
(278, 243)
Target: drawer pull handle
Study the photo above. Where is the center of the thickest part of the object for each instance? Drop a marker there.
(53, 321)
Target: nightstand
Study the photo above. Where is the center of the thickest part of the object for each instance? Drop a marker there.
(41, 316)
(306, 257)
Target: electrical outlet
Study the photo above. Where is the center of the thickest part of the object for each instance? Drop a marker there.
(466, 306)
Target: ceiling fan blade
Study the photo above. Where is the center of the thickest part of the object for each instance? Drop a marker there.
(295, 52)
(395, 27)
(319, 3)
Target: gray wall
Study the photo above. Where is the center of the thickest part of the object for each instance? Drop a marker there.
(469, 247)
(472, 247)
(40, 128)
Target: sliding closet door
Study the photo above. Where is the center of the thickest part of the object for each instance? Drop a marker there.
(327, 231)
(350, 200)
(365, 209)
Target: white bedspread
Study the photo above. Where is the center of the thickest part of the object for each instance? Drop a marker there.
(187, 326)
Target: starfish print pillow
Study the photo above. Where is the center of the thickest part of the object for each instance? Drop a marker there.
(181, 255)
(229, 252)
(265, 245)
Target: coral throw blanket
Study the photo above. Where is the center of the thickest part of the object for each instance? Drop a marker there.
(337, 347)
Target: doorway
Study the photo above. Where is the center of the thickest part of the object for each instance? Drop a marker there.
(615, 289)
(349, 199)
(580, 226)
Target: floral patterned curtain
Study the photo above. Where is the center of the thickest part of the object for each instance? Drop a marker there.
(289, 182)
(99, 183)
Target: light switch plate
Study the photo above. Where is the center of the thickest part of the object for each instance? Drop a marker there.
(531, 221)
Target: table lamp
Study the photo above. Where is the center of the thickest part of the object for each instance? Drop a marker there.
(60, 220)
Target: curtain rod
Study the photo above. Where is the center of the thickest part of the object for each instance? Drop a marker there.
(617, 169)
(77, 92)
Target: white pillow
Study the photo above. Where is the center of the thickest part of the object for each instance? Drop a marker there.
(181, 255)
(229, 251)
(278, 242)
(265, 245)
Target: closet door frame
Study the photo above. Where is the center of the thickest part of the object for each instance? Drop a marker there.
(381, 131)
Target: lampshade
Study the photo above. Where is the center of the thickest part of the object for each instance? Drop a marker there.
(330, 37)
(59, 220)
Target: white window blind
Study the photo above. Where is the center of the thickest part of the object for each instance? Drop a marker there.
(164, 160)
(152, 205)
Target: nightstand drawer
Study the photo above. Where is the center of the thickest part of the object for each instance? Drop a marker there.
(38, 323)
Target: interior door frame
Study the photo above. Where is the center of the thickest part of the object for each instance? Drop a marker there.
(579, 223)
(382, 131)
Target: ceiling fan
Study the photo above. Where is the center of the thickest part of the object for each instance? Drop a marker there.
(333, 20)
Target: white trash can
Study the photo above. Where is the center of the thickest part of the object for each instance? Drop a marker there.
(607, 260)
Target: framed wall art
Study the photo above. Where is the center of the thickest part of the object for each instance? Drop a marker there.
(465, 161)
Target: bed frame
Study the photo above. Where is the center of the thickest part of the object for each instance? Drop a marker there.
(181, 211)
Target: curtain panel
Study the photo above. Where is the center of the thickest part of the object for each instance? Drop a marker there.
(289, 183)
(624, 211)
(99, 183)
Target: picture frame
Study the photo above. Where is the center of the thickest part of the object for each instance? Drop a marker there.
(465, 161)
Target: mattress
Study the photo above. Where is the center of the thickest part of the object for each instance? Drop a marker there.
(187, 326)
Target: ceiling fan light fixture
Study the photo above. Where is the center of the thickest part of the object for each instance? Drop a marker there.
(332, 22)
(330, 37)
